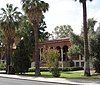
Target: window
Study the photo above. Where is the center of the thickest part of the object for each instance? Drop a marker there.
(82, 64)
(77, 64)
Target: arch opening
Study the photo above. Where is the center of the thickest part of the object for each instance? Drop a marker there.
(65, 50)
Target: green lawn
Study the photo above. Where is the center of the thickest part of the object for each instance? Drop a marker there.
(67, 74)
(71, 74)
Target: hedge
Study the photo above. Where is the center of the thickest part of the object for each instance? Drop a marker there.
(2, 66)
(64, 69)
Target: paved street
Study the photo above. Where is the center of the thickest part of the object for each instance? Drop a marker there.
(7, 81)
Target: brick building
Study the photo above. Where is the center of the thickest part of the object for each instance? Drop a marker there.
(62, 45)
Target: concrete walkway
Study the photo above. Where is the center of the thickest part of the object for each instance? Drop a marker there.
(54, 80)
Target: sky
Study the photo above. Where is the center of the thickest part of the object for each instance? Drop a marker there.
(64, 12)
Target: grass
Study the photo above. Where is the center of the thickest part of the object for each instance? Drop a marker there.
(43, 74)
(66, 74)
(71, 74)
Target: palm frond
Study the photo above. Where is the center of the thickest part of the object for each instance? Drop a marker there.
(4, 11)
(15, 8)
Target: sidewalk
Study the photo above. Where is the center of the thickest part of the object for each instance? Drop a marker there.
(54, 80)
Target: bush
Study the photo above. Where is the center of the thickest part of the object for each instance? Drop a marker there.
(71, 68)
(51, 57)
(97, 66)
(55, 72)
(68, 63)
(60, 69)
(21, 60)
(41, 69)
(2, 66)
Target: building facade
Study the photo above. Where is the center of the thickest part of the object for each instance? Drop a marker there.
(62, 45)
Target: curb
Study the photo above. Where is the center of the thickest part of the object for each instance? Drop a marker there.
(38, 80)
(47, 80)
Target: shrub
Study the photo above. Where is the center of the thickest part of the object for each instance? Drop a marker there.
(97, 66)
(68, 63)
(21, 60)
(51, 57)
(60, 69)
(41, 69)
(2, 66)
(55, 72)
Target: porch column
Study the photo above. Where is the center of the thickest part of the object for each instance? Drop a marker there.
(62, 58)
(40, 55)
(74, 64)
(80, 61)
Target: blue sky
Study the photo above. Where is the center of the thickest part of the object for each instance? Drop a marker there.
(63, 12)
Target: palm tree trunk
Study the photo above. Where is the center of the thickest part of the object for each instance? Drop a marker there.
(86, 50)
(36, 53)
(9, 51)
(8, 60)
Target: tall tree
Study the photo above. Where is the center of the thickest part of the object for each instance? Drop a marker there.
(9, 22)
(26, 32)
(77, 47)
(34, 10)
(90, 25)
(91, 35)
(43, 35)
(85, 29)
(21, 59)
(62, 31)
(96, 50)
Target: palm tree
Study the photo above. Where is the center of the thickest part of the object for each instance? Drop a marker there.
(91, 35)
(85, 29)
(9, 21)
(34, 10)
(90, 25)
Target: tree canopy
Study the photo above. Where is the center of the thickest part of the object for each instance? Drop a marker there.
(62, 31)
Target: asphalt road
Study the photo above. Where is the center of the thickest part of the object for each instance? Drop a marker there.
(7, 81)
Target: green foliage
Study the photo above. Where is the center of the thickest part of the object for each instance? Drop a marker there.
(81, 1)
(91, 24)
(9, 22)
(96, 50)
(72, 68)
(76, 39)
(62, 31)
(70, 63)
(43, 35)
(27, 30)
(27, 33)
(74, 50)
(65, 74)
(60, 69)
(21, 60)
(78, 42)
(51, 57)
(10, 17)
(41, 68)
(55, 72)
(97, 65)
(77, 47)
(2, 66)
(33, 4)
(34, 10)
